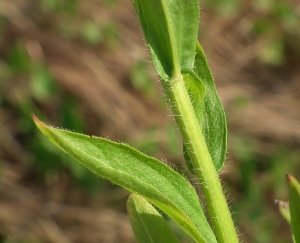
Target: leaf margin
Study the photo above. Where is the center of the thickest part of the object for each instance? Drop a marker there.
(191, 226)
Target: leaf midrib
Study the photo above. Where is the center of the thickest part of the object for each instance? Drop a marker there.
(179, 211)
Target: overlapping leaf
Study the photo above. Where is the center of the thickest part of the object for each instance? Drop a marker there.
(138, 173)
(284, 209)
(208, 109)
(147, 224)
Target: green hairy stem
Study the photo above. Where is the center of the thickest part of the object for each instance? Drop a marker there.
(201, 159)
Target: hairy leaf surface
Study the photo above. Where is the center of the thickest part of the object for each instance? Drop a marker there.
(138, 173)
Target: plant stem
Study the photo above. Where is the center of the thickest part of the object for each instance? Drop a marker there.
(204, 168)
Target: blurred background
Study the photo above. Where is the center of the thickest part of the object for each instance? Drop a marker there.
(84, 65)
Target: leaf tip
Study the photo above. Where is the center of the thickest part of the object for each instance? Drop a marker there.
(41, 125)
(281, 204)
(33, 116)
(293, 183)
(36, 120)
(290, 179)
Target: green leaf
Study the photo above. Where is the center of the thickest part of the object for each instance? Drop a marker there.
(284, 210)
(209, 110)
(294, 206)
(138, 173)
(147, 224)
(171, 29)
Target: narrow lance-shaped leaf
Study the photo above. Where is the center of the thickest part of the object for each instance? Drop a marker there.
(294, 199)
(170, 28)
(209, 110)
(138, 173)
(147, 224)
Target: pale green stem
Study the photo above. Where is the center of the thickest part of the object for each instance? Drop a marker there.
(204, 168)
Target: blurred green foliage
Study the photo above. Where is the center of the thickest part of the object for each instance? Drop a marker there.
(156, 140)
(277, 22)
(140, 78)
(223, 7)
(261, 180)
(88, 30)
(283, 30)
(43, 91)
(66, 7)
(94, 34)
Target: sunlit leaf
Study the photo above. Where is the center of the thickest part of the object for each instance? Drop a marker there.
(171, 29)
(138, 173)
